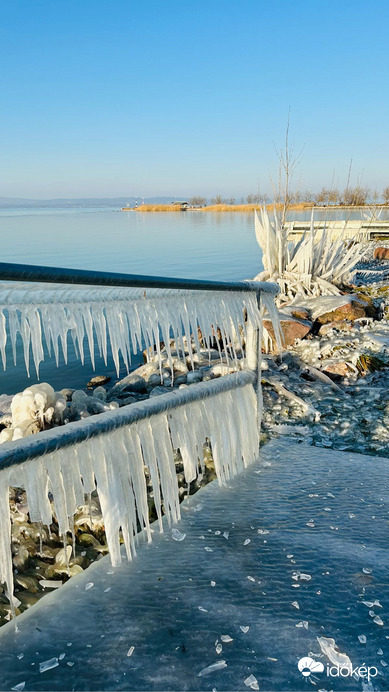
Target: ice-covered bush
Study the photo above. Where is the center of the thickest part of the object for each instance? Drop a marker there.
(314, 265)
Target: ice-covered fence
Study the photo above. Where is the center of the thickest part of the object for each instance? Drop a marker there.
(109, 452)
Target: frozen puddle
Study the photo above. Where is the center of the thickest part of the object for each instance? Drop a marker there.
(226, 618)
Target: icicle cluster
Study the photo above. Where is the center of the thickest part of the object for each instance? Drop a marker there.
(312, 266)
(125, 319)
(114, 464)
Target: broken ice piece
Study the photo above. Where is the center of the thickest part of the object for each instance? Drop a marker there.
(252, 682)
(244, 628)
(329, 649)
(50, 583)
(303, 623)
(251, 578)
(311, 524)
(61, 657)
(362, 638)
(327, 509)
(48, 665)
(226, 534)
(19, 687)
(295, 605)
(366, 570)
(380, 652)
(219, 648)
(203, 610)
(130, 650)
(213, 583)
(247, 541)
(212, 668)
(177, 535)
(209, 550)
(89, 585)
(289, 556)
(226, 638)
(263, 532)
(378, 620)
(70, 663)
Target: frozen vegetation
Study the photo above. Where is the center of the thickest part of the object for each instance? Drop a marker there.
(315, 265)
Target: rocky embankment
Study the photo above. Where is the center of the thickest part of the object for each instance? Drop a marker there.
(329, 387)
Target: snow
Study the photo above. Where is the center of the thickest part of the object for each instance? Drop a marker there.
(44, 315)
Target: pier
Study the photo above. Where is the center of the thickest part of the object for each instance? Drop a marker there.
(349, 229)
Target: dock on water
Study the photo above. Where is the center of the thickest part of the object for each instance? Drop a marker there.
(349, 229)
(293, 549)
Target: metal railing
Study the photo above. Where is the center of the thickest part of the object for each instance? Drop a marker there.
(75, 432)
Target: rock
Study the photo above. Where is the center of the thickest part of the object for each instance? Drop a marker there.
(381, 253)
(300, 313)
(194, 376)
(132, 383)
(339, 369)
(67, 393)
(159, 390)
(340, 326)
(98, 381)
(291, 328)
(154, 380)
(339, 308)
(181, 379)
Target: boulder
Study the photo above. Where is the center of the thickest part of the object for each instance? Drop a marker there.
(339, 308)
(97, 381)
(340, 326)
(339, 369)
(291, 328)
(381, 253)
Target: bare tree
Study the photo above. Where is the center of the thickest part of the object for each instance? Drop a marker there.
(385, 195)
(197, 201)
(288, 161)
(254, 198)
(355, 196)
(218, 199)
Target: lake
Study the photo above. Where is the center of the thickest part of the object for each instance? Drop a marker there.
(192, 244)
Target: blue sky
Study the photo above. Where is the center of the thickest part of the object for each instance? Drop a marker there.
(112, 98)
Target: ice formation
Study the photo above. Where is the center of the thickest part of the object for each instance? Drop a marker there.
(311, 266)
(124, 319)
(113, 462)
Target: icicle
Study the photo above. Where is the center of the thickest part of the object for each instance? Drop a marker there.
(124, 318)
(114, 463)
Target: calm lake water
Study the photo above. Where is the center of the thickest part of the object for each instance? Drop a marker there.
(192, 244)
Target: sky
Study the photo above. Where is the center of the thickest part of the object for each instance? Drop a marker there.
(109, 98)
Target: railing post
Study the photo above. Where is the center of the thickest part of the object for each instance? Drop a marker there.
(253, 359)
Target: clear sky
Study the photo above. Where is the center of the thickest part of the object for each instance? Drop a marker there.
(117, 97)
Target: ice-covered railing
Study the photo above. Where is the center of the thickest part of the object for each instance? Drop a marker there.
(127, 318)
(109, 452)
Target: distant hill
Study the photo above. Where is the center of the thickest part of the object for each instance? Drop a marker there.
(114, 202)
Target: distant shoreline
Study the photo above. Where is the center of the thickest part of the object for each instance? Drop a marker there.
(305, 206)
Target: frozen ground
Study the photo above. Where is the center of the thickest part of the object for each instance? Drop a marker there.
(293, 549)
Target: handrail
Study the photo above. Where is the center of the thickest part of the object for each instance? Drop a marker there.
(41, 274)
(48, 441)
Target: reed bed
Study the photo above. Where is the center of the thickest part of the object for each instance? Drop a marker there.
(220, 207)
